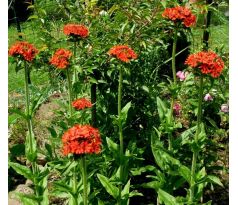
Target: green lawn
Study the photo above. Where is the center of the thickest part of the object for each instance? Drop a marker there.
(16, 80)
(219, 37)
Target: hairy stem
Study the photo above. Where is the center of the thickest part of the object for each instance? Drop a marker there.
(120, 130)
(70, 91)
(195, 152)
(85, 185)
(173, 56)
(75, 76)
(75, 186)
(29, 124)
(170, 136)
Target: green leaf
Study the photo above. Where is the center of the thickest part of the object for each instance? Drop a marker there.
(52, 131)
(110, 188)
(49, 150)
(125, 192)
(31, 151)
(27, 200)
(17, 150)
(185, 137)
(135, 193)
(185, 172)
(69, 167)
(161, 108)
(32, 17)
(63, 187)
(112, 145)
(12, 119)
(22, 170)
(32, 197)
(152, 185)
(167, 198)
(19, 112)
(124, 112)
(215, 180)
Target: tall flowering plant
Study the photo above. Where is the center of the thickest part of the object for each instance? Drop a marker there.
(80, 141)
(75, 32)
(124, 54)
(61, 60)
(182, 17)
(203, 64)
(27, 52)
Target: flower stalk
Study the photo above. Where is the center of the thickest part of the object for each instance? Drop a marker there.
(29, 124)
(85, 183)
(173, 56)
(170, 137)
(195, 152)
(120, 130)
(75, 76)
(70, 91)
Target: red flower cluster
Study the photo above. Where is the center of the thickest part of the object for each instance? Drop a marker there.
(76, 30)
(61, 58)
(123, 53)
(81, 104)
(180, 13)
(207, 61)
(81, 139)
(24, 49)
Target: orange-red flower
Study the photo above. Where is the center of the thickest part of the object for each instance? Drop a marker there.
(81, 139)
(61, 58)
(180, 13)
(81, 104)
(207, 61)
(76, 30)
(26, 50)
(123, 53)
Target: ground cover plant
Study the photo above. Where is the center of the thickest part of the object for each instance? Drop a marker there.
(119, 102)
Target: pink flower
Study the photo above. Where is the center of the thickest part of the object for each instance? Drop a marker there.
(208, 97)
(224, 108)
(181, 75)
(177, 108)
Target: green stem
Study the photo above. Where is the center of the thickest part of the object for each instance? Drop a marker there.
(120, 130)
(85, 185)
(93, 101)
(195, 152)
(173, 56)
(170, 140)
(70, 91)
(29, 123)
(75, 78)
(75, 198)
(170, 136)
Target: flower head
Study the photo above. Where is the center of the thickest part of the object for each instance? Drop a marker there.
(208, 97)
(61, 58)
(76, 30)
(180, 14)
(81, 104)
(181, 75)
(177, 108)
(26, 50)
(81, 139)
(123, 53)
(207, 62)
(224, 108)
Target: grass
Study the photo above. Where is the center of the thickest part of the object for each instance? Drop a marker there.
(16, 80)
(219, 37)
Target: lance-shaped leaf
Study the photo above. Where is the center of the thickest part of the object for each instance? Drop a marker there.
(110, 188)
(22, 170)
